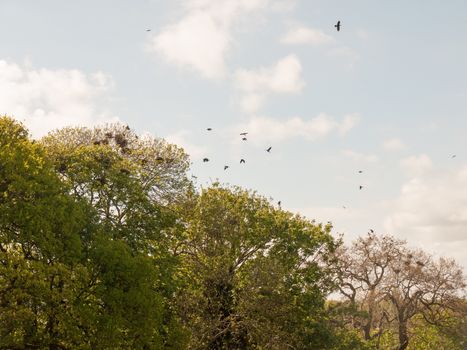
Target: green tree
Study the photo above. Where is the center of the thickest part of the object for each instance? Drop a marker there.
(86, 259)
(257, 276)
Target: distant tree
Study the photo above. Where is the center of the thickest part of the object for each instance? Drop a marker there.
(391, 284)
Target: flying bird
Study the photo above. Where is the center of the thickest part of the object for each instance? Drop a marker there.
(243, 133)
(242, 161)
(209, 129)
(360, 187)
(148, 30)
(226, 167)
(372, 231)
(360, 171)
(243, 138)
(338, 25)
(205, 160)
(279, 203)
(453, 156)
(269, 149)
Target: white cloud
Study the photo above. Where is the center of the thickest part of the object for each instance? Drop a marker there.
(416, 165)
(201, 39)
(431, 210)
(180, 138)
(263, 129)
(284, 77)
(47, 99)
(360, 157)
(300, 34)
(393, 144)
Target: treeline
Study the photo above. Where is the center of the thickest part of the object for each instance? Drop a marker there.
(105, 243)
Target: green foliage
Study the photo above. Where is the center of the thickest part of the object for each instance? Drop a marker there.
(256, 274)
(106, 244)
(85, 263)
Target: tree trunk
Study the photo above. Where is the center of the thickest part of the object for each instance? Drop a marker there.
(403, 335)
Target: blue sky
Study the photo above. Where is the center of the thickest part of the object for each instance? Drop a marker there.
(386, 95)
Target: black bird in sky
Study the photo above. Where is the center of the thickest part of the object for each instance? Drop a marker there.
(226, 167)
(243, 133)
(242, 161)
(269, 149)
(360, 171)
(360, 187)
(205, 160)
(279, 203)
(453, 156)
(372, 231)
(209, 129)
(148, 30)
(243, 138)
(338, 25)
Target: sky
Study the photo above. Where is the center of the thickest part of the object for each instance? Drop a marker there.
(386, 95)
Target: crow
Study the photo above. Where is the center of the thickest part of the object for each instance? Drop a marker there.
(243, 133)
(372, 231)
(226, 167)
(243, 138)
(205, 160)
(453, 156)
(148, 30)
(242, 161)
(279, 203)
(360, 187)
(209, 129)
(338, 25)
(360, 171)
(269, 149)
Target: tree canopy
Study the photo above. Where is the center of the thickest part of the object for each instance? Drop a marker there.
(105, 243)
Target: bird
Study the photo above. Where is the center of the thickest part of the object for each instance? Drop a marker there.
(243, 138)
(148, 30)
(453, 156)
(338, 25)
(360, 171)
(205, 160)
(269, 149)
(242, 161)
(209, 129)
(226, 167)
(360, 187)
(372, 231)
(243, 133)
(279, 203)
(344, 207)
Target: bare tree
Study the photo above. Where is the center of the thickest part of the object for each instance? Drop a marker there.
(391, 283)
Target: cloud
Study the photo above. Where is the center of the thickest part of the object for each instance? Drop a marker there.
(202, 38)
(360, 157)
(180, 138)
(284, 77)
(263, 129)
(416, 165)
(432, 210)
(300, 34)
(393, 144)
(46, 99)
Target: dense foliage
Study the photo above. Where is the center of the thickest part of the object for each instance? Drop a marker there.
(105, 243)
